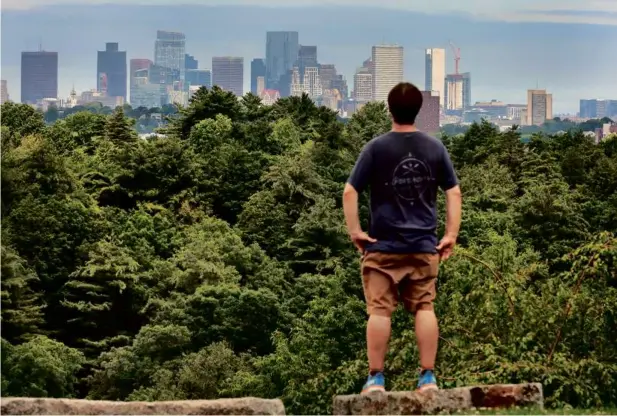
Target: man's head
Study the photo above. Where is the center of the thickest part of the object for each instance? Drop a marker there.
(404, 101)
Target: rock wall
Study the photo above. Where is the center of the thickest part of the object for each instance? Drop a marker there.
(244, 406)
(441, 401)
(390, 403)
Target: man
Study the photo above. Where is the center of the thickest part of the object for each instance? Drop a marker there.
(400, 255)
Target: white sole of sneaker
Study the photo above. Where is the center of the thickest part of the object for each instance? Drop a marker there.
(373, 389)
(428, 387)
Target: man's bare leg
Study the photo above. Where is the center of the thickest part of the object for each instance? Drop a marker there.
(427, 334)
(377, 338)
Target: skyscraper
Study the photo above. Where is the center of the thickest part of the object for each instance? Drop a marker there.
(598, 108)
(539, 107)
(435, 72)
(228, 73)
(363, 85)
(169, 53)
(4, 92)
(387, 61)
(327, 73)
(134, 66)
(258, 69)
(458, 93)
(39, 76)
(281, 55)
(307, 58)
(190, 62)
(111, 71)
(200, 77)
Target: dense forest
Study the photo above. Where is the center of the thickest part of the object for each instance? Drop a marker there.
(214, 261)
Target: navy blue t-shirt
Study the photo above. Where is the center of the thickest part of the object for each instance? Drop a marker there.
(403, 172)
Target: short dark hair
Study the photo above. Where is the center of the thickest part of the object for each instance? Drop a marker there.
(404, 102)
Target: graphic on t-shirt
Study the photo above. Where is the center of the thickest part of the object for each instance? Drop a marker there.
(411, 178)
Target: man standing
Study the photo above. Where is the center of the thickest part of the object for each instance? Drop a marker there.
(400, 255)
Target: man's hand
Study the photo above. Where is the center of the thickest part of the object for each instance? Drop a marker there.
(446, 245)
(360, 239)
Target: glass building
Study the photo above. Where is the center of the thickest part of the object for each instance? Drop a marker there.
(111, 71)
(39, 76)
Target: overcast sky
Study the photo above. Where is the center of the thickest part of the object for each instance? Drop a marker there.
(566, 11)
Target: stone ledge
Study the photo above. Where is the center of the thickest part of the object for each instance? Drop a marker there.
(441, 401)
(243, 406)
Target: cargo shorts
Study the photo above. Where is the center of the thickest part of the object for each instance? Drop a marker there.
(388, 277)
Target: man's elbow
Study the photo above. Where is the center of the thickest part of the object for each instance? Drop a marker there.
(349, 192)
(454, 193)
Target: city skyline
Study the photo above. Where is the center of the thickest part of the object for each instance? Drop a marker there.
(511, 87)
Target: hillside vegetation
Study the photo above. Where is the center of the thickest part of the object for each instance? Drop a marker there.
(214, 262)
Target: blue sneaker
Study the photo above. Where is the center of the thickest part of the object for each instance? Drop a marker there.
(427, 381)
(376, 383)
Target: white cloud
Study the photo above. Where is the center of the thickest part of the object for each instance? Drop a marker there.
(590, 11)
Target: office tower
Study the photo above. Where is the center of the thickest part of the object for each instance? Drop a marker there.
(309, 84)
(258, 69)
(514, 111)
(327, 73)
(284, 84)
(135, 65)
(598, 108)
(428, 117)
(312, 82)
(539, 107)
(146, 95)
(190, 62)
(340, 84)
(169, 53)
(307, 58)
(228, 73)
(435, 72)
(39, 76)
(466, 89)
(297, 88)
(200, 77)
(387, 70)
(281, 56)
(261, 85)
(457, 96)
(363, 85)
(4, 92)
(111, 71)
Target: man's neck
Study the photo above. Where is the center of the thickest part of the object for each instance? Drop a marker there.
(404, 128)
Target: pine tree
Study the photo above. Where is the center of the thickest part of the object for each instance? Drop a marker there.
(118, 128)
(22, 315)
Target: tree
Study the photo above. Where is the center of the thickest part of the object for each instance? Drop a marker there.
(22, 316)
(118, 128)
(41, 367)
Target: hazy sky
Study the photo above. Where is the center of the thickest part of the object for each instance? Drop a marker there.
(574, 11)
(565, 46)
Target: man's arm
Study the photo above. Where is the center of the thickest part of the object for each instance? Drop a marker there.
(454, 205)
(350, 209)
(352, 218)
(357, 182)
(449, 183)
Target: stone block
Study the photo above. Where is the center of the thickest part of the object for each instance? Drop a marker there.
(243, 406)
(440, 401)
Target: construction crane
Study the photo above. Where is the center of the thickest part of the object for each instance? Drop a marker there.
(457, 56)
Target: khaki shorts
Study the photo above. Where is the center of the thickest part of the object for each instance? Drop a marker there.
(388, 276)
